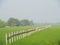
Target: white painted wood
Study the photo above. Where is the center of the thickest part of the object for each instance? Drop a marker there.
(23, 34)
(20, 35)
(12, 37)
(6, 39)
(17, 35)
(9, 40)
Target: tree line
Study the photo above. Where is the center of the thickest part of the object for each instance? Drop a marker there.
(11, 22)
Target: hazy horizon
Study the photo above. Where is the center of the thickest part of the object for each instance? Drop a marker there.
(36, 10)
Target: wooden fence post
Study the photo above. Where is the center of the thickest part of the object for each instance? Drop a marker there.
(9, 39)
(6, 39)
(23, 34)
(17, 36)
(12, 38)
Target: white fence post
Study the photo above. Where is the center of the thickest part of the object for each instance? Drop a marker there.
(20, 36)
(23, 34)
(12, 37)
(17, 36)
(6, 39)
(9, 40)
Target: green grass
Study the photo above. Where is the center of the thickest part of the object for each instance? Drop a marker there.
(50, 36)
(3, 31)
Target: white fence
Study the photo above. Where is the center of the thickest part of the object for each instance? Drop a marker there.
(14, 36)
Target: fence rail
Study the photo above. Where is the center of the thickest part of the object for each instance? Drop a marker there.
(14, 36)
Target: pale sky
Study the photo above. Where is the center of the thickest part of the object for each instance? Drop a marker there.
(37, 10)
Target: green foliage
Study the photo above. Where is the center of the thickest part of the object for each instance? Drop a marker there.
(2, 24)
(13, 22)
(26, 22)
(16, 22)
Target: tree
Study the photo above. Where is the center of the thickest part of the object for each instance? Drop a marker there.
(13, 22)
(26, 22)
(2, 24)
(31, 22)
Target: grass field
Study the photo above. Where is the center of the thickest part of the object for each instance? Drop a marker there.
(50, 36)
(3, 31)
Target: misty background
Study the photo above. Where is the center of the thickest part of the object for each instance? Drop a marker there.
(40, 11)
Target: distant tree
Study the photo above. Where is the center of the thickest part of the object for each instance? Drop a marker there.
(2, 24)
(13, 22)
(26, 22)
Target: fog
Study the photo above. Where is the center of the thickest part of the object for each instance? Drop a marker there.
(37, 10)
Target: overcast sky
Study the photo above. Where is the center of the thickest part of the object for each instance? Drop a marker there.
(37, 10)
